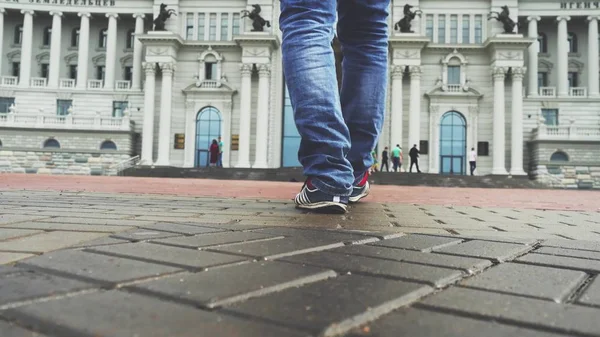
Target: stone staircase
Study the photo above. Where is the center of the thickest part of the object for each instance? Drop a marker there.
(296, 175)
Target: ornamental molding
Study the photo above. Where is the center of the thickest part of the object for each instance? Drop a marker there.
(212, 52)
(454, 54)
(99, 59)
(71, 59)
(13, 55)
(42, 56)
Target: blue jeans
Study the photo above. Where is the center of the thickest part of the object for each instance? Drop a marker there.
(338, 130)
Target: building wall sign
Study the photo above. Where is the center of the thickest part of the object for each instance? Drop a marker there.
(88, 3)
(580, 5)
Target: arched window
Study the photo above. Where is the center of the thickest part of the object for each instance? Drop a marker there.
(543, 43)
(572, 43)
(559, 156)
(130, 39)
(18, 34)
(51, 143)
(75, 37)
(108, 145)
(102, 38)
(47, 36)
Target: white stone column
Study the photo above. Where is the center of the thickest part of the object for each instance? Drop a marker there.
(55, 47)
(111, 51)
(262, 117)
(164, 132)
(498, 137)
(533, 49)
(148, 128)
(136, 76)
(2, 11)
(245, 114)
(593, 56)
(84, 50)
(516, 162)
(396, 113)
(26, 48)
(562, 53)
(414, 122)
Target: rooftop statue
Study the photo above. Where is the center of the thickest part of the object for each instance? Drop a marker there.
(404, 24)
(163, 15)
(258, 23)
(504, 18)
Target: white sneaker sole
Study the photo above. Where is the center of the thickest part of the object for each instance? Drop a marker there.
(325, 206)
(362, 195)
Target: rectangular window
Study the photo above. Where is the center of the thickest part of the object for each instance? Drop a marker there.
(453, 74)
(235, 29)
(62, 106)
(73, 72)
(466, 29)
(441, 28)
(453, 29)
(128, 75)
(5, 103)
(551, 116)
(542, 80)
(119, 107)
(212, 32)
(210, 71)
(429, 26)
(189, 26)
(100, 71)
(44, 70)
(16, 69)
(200, 26)
(478, 29)
(224, 26)
(573, 79)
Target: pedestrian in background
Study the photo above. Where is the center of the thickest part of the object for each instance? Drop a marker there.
(414, 158)
(473, 160)
(384, 160)
(397, 157)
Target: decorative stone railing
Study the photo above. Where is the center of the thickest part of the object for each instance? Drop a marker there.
(9, 81)
(123, 85)
(454, 87)
(68, 122)
(544, 132)
(66, 83)
(578, 92)
(209, 84)
(38, 82)
(95, 84)
(547, 91)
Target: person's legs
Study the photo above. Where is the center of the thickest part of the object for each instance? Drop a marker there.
(309, 70)
(363, 33)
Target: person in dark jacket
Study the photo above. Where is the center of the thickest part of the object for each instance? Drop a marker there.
(214, 152)
(414, 158)
(385, 159)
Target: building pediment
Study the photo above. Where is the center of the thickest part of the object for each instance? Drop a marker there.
(440, 91)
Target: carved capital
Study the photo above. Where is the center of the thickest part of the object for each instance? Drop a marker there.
(415, 71)
(112, 15)
(398, 72)
(2, 11)
(533, 18)
(498, 73)
(518, 73)
(27, 12)
(56, 13)
(246, 69)
(139, 16)
(592, 18)
(167, 68)
(563, 17)
(149, 68)
(84, 14)
(264, 70)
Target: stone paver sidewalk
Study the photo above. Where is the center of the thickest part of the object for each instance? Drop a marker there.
(107, 264)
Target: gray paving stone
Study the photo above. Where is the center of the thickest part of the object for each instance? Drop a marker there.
(51, 226)
(12, 330)
(10, 218)
(468, 264)
(497, 251)
(435, 276)
(222, 286)
(226, 226)
(536, 281)
(561, 262)
(564, 318)
(424, 323)
(92, 221)
(583, 254)
(121, 314)
(167, 255)
(11, 233)
(181, 229)
(333, 306)
(100, 242)
(96, 268)
(312, 234)
(47, 241)
(573, 244)
(215, 239)
(143, 235)
(24, 285)
(591, 295)
(273, 249)
(423, 243)
(6, 258)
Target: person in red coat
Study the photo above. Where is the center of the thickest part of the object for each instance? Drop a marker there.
(214, 152)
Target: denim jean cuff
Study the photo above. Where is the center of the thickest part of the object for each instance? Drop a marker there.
(326, 188)
(358, 178)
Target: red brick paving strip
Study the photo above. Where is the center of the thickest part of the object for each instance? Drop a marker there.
(513, 198)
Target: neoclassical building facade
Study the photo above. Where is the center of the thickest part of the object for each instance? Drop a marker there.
(87, 72)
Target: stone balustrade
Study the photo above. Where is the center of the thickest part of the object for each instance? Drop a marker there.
(570, 132)
(68, 122)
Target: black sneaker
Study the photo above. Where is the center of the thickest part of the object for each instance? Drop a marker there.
(311, 198)
(360, 190)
